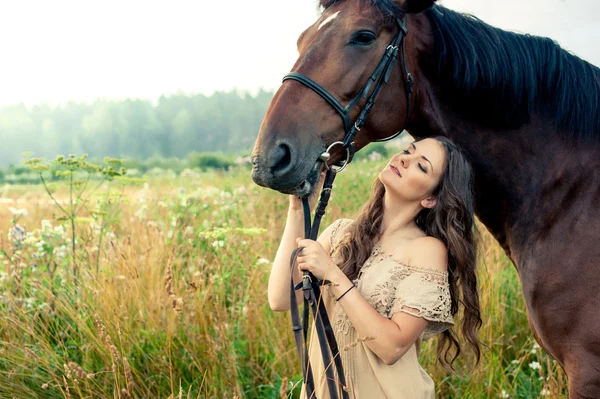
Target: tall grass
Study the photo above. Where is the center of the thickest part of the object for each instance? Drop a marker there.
(177, 306)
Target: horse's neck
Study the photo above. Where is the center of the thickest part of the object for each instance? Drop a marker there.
(524, 177)
(515, 172)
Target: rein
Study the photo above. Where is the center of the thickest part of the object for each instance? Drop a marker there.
(311, 287)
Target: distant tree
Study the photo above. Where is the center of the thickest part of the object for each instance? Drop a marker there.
(176, 125)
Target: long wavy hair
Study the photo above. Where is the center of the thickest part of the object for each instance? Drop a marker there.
(452, 221)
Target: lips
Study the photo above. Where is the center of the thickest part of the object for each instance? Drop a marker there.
(396, 171)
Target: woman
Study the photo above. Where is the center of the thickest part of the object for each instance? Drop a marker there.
(398, 273)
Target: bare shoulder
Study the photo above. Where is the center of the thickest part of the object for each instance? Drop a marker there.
(325, 238)
(429, 252)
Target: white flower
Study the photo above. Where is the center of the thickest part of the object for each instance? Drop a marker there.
(503, 394)
(263, 261)
(535, 366)
(60, 230)
(535, 348)
(515, 361)
(544, 392)
(17, 234)
(375, 156)
(218, 243)
(18, 212)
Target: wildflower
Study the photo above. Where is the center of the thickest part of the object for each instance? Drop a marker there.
(503, 394)
(46, 226)
(514, 361)
(375, 156)
(263, 261)
(59, 230)
(218, 243)
(18, 212)
(544, 392)
(17, 234)
(535, 366)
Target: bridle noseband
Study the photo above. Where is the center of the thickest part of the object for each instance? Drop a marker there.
(310, 285)
(380, 75)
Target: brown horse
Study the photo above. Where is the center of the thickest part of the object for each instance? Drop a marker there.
(525, 111)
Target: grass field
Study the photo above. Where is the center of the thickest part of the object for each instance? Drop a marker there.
(158, 290)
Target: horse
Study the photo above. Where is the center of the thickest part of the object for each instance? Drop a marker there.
(525, 112)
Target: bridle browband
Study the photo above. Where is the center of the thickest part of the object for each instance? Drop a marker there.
(310, 285)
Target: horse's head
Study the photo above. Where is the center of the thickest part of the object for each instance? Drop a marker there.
(339, 52)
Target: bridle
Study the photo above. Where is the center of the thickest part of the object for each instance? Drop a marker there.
(310, 285)
(380, 75)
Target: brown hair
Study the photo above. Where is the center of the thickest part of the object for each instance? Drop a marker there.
(452, 221)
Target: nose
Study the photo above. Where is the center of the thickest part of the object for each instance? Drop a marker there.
(404, 161)
(280, 159)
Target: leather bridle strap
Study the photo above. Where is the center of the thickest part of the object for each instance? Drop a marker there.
(312, 299)
(310, 285)
(379, 76)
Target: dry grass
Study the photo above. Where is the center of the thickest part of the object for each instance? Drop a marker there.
(178, 307)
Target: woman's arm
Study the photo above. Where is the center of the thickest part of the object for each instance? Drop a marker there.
(279, 280)
(388, 339)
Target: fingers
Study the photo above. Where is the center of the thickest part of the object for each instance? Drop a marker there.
(305, 242)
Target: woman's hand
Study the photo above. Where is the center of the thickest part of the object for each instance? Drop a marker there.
(314, 259)
(296, 202)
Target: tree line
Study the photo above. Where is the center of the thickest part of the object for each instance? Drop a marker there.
(173, 126)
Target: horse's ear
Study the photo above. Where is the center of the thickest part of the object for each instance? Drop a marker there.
(415, 6)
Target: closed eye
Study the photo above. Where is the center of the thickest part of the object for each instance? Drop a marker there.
(422, 168)
(363, 38)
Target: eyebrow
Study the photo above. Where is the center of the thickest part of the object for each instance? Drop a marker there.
(423, 156)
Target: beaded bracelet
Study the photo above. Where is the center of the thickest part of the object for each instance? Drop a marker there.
(347, 291)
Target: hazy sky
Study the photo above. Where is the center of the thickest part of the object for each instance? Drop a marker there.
(60, 50)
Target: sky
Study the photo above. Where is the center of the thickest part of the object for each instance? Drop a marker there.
(61, 50)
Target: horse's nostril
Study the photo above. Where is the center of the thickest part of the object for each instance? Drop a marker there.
(281, 159)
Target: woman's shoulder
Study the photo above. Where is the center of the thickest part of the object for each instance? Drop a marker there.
(426, 252)
(334, 231)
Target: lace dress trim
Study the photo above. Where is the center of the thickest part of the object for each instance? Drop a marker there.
(428, 294)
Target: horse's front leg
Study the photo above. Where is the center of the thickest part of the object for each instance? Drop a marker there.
(563, 301)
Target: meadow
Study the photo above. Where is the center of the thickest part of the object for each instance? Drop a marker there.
(156, 288)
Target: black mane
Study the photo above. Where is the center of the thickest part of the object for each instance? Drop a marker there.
(499, 79)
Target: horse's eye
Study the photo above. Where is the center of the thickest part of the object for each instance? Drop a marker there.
(363, 38)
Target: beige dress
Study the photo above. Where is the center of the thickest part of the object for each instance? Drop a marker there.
(390, 286)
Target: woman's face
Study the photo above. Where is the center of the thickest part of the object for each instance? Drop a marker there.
(414, 173)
